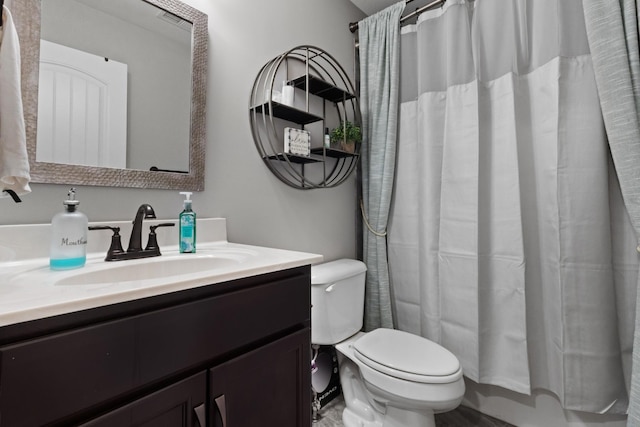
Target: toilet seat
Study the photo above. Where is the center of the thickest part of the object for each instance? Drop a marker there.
(407, 356)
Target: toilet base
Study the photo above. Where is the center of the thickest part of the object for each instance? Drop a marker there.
(363, 411)
(351, 419)
(395, 418)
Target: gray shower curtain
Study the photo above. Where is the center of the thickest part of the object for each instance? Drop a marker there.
(379, 38)
(612, 30)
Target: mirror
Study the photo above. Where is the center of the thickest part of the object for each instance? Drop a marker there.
(160, 111)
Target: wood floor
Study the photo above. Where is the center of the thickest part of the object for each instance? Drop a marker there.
(331, 416)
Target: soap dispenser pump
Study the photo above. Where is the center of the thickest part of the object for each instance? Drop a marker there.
(68, 236)
(187, 226)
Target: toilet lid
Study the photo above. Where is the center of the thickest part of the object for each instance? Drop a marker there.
(407, 356)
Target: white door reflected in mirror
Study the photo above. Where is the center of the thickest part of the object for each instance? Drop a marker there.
(82, 108)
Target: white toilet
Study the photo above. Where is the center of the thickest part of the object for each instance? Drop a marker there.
(389, 378)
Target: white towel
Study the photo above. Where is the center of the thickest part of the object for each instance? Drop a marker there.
(14, 161)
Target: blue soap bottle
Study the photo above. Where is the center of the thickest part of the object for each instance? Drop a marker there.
(187, 226)
(68, 236)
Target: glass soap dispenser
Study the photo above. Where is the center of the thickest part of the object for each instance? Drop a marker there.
(68, 236)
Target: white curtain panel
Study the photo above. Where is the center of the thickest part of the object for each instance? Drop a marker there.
(508, 241)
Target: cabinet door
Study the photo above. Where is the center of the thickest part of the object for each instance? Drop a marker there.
(179, 405)
(270, 386)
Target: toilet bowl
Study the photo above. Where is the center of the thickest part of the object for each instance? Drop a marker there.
(389, 378)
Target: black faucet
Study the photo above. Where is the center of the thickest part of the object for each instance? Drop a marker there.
(135, 241)
(135, 251)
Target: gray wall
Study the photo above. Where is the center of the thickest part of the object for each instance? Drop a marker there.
(260, 210)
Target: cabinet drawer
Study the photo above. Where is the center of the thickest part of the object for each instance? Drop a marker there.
(45, 379)
(188, 335)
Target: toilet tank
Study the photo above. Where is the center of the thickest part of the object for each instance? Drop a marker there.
(337, 300)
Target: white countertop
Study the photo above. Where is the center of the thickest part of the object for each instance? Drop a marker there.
(29, 290)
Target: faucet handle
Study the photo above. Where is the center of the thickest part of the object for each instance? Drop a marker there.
(164, 224)
(152, 243)
(116, 243)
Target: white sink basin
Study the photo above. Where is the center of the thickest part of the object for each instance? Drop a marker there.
(30, 290)
(155, 268)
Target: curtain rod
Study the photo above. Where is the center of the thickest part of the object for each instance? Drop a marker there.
(353, 27)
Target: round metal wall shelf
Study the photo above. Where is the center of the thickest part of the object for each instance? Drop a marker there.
(324, 98)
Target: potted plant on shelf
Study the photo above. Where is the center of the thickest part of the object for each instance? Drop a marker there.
(347, 135)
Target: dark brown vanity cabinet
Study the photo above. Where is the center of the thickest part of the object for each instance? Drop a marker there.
(231, 354)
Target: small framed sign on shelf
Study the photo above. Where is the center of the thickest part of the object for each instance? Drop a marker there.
(297, 142)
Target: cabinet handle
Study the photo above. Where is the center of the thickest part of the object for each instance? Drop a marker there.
(220, 412)
(200, 415)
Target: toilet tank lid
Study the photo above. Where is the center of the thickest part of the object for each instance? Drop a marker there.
(331, 272)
